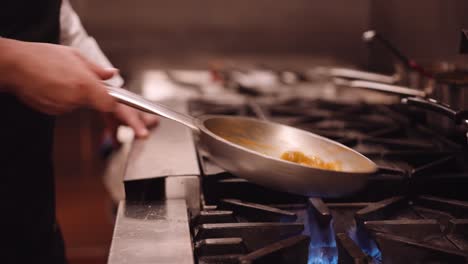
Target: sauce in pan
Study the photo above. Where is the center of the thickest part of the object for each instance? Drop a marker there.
(292, 156)
(311, 161)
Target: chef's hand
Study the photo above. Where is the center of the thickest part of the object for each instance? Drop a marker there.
(139, 121)
(51, 78)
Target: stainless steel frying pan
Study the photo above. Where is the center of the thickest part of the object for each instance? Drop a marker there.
(250, 149)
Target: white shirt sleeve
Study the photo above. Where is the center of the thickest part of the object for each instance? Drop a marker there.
(74, 35)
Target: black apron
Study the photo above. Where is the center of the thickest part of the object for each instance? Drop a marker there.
(27, 194)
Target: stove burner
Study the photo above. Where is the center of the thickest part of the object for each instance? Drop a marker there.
(433, 228)
(399, 217)
(351, 242)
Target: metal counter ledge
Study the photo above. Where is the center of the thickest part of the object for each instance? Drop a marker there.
(152, 223)
(156, 232)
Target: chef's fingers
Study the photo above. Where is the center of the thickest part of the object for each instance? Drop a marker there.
(100, 99)
(149, 119)
(101, 72)
(133, 120)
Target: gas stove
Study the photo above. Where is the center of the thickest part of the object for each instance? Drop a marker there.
(413, 210)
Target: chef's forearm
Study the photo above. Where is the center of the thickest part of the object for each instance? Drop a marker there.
(7, 63)
(72, 33)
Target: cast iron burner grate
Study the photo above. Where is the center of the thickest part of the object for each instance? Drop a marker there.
(425, 228)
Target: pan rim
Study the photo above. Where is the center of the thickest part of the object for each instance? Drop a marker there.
(201, 124)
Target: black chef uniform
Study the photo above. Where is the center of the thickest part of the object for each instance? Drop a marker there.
(29, 233)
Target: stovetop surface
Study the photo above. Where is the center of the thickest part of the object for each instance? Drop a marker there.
(413, 210)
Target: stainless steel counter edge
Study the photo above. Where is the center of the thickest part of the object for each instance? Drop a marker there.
(169, 150)
(156, 232)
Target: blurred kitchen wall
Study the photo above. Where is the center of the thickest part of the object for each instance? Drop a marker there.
(132, 32)
(426, 30)
(150, 28)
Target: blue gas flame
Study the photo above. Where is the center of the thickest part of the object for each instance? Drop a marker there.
(322, 247)
(367, 244)
(322, 255)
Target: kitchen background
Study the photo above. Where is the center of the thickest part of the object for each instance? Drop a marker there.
(143, 34)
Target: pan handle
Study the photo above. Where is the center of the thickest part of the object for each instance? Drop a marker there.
(433, 105)
(140, 103)
(380, 87)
